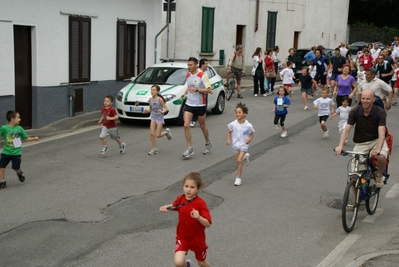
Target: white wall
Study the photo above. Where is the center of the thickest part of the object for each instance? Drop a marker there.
(309, 17)
(50, 50)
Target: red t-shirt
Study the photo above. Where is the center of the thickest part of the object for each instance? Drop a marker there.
(366, 61)
(269, 63)
(397, 79)
(108, 112)
(190, 229)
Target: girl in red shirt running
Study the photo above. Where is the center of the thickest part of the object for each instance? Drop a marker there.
(194, 216)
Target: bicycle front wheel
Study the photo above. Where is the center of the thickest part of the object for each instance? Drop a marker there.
(372, 199)
(229, 92)
(230, 88)
(350, 206)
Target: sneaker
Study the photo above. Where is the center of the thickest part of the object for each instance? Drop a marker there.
(189, 152)
(188, 263)
(270, 93)
(192, 123)
(379, 182)
(246, 159)
(395, 103)
(277, 127)
(325, 134)
(208, 148)
(255, 94)
(103, 150)
(239, 96)
(264, 94)
(284, 134)
(290, 93)
(305, 108)
(153, 151)
(226, 84)
(122, 148)
(169, 134)
(238, 182)
(3, 184)
(21, 176)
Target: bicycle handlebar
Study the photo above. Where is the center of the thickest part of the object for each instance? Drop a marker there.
(346, 153)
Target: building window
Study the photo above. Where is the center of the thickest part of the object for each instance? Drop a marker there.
(208, 21)
(271, 29)
(79, 49)
(131, 43)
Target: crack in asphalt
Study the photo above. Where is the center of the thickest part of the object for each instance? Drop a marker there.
(59, 242)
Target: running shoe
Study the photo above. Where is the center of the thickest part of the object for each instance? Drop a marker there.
(208, 148)
(122, 148)
(103, 150)
(21, 176)
(169, 134)
(239, 96)
(188, 262)
(153, 151)
(255, 94)
(305, 108)
(3, 184)
(192, 123)
(246, 159)
(264, 95)
(284, 134)
(189, 152)
(325, 134)
(238, 182)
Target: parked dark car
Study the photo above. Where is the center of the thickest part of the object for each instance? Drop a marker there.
(357, 46)
(300, 60)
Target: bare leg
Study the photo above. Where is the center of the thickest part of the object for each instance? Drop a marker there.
(201, 120)
(240, 159)
(187, 119)
(180, 260)
(152, 134)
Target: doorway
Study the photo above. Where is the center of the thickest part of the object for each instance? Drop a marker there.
(239, 34)
(23, 73)
(296, 38)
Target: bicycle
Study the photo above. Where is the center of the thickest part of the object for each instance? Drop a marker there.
(360, 186)
(230, 86)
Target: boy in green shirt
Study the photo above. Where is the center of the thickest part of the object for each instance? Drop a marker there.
(12, 134)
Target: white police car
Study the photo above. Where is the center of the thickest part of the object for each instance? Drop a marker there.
(170, 75)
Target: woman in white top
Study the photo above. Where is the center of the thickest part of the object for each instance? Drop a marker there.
(258, 72)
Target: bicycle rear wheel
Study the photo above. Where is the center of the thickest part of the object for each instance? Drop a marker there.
(372, 199)
(350, 206)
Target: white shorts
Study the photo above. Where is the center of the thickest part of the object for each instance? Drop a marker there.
(237, 149)
(112, 132)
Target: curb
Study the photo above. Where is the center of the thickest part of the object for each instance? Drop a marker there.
(363, 259)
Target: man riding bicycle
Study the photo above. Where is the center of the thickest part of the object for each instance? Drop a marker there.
(370, 121)
(236, 65)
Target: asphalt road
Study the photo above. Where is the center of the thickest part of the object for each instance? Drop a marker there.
(80, 208)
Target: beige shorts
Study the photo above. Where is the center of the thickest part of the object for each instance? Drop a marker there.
(370, 145)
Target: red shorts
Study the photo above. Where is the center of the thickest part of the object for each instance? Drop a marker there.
(200, 251)
(288, 85)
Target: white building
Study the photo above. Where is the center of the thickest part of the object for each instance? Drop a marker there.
(207, 28)
(50, 49)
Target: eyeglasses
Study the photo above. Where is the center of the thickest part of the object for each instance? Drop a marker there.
(380, 58)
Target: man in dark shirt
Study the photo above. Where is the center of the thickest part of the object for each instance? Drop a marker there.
(384, 69)
(369, 132)
(337, 61)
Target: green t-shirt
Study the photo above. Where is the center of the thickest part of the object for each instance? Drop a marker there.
(12, 137)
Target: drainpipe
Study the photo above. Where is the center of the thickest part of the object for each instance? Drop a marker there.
(156, 37)
(257, 16)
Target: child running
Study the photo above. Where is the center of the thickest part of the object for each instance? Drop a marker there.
(324, 106)
(194, 216)
(239, 135)
(343, 112)
(281, 103)
(306, 83)
(12, 134)
(108, 120)
(287, 76)
(158, 109)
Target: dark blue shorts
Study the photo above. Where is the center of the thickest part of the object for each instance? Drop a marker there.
(199, 111)
(323, 118)
(5, 159)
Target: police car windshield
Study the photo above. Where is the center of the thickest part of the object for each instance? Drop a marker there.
(163, 75)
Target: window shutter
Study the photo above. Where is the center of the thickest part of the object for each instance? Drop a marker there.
(271, 29)
(141, 52)
(121, 50)
(208, 18)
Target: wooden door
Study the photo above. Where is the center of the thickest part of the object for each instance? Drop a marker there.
(23, 74)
